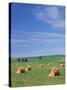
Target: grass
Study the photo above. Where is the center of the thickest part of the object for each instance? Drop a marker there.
(37, 77)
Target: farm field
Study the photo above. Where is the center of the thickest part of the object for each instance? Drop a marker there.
(37, 76)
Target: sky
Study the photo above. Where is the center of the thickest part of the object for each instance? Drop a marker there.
(37, 30)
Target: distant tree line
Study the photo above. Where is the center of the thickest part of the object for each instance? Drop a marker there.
(25, 59)
(40, 57)
(22, 59)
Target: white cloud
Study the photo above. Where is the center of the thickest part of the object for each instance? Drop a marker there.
(52, 12)
(52, 15)
(59, 23)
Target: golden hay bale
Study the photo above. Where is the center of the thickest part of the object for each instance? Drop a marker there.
(29, 67)
(41, 66)
(26, 69)
(49, 64)
(51, 73)
(20, 70)
(62, 65)
(54, 72)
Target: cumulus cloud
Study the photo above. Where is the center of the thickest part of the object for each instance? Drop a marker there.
(51, 15)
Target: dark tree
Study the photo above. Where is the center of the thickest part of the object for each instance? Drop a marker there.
(26, 60)
(40, 57)
(22, 60)
(18, 59)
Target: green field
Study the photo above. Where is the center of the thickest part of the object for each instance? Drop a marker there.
(37, 76)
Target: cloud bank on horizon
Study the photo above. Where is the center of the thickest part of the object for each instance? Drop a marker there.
(37, 30)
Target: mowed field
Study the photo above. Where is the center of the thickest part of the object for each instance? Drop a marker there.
(37, 76)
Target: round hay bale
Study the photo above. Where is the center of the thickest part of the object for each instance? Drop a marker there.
(62, 65)
(20, 70)
(51, 73)
(29, 67)
(49, 64)
(41, 66)
(26, 69)
(55, 71)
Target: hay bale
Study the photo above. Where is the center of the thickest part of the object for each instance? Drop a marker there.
(51, 73)
(49, 64)
(41, 66)
(20, 70)
(62, 65)
(29, 67)
(55, 71)
(26, 69)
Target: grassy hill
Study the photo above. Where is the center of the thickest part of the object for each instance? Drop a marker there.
(36, 76)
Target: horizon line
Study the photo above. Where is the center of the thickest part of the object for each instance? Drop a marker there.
(39, 55)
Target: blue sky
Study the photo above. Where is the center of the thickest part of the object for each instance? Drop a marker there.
(37, 30)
